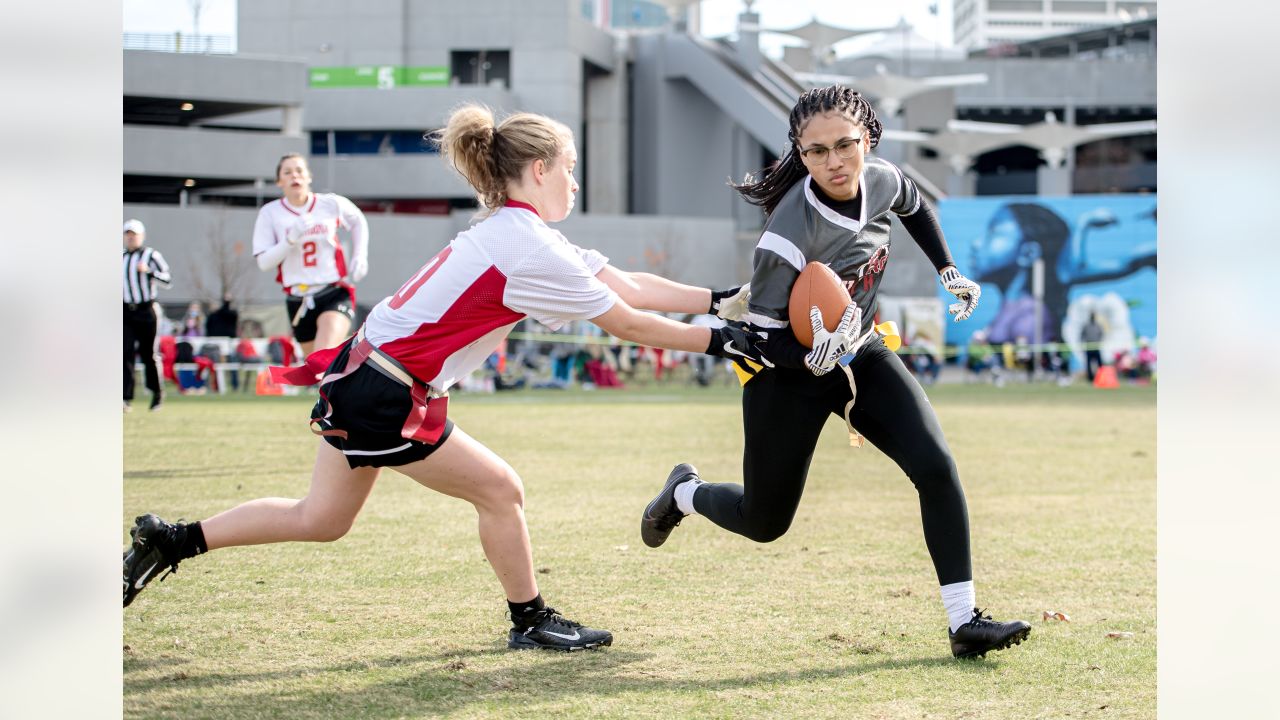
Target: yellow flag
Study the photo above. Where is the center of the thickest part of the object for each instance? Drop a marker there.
(887, 330)
(745, 375)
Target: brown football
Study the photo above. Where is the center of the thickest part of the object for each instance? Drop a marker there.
(817, 285)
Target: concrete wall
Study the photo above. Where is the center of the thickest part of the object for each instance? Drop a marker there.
(398, 109)
(605, 168)
(206, 244)
(230, 78)
(388, 176)
(1021, 82)
(684, 147)
(549, 42)
(150, 150)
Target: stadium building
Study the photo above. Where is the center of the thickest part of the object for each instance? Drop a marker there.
(664, 119)
(1002, 25)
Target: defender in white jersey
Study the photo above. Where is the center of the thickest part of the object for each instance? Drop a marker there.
(384, 393)
(297, 236)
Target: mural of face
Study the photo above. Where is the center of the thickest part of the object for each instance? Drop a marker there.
(998, 248)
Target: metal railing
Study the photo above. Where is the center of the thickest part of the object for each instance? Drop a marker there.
(177, 42)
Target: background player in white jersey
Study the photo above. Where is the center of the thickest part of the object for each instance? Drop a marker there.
(297, 236)
(828, 200)
(384, 393)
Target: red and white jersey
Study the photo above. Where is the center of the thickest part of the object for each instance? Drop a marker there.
(317, 260)
(452, 314)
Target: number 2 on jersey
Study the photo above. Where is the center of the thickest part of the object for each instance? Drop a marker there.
(309, 253)
(409, 288)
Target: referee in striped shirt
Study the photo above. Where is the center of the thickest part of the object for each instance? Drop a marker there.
(142, 269)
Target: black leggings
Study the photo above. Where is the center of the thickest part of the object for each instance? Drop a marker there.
(783, 412)
(140, 323)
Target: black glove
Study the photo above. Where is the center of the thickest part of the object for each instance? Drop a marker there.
(730, 304)
(738, 343)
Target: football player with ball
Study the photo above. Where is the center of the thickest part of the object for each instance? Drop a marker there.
(828, 201)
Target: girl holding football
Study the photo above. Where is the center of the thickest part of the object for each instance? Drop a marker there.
(297, 236)
(828, 200)
(383, 393)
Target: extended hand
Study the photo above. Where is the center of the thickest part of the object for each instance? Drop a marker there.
(730, 304)
(966, 290)
(359, 268)
(738, 343)
(297, 229)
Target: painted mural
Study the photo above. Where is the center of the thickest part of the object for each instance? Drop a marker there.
(1099, 255)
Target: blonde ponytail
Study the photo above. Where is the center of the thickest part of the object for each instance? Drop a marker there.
(492, 155)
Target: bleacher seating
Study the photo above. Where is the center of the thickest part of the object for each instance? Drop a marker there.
(227, 346)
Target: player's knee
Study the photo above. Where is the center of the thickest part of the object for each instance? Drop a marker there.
(318, 526)
(504, 492)
(330, 529)
(769, 530)
(935, 469)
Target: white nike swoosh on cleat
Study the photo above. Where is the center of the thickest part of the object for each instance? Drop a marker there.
(574, 636)
(138, 585)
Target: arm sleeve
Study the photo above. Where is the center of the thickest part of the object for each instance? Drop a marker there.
(923, 227)
(555, 285)
(271, 258)
(354, 219)
(160, 268)
(267, 248)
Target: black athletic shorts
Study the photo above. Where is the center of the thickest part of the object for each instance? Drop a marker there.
(337, 297)
(372, 408)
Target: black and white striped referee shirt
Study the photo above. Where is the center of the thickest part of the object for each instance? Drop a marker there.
(140, 287)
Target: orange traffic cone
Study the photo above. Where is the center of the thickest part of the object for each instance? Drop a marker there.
(265, 386)
(1106, 377)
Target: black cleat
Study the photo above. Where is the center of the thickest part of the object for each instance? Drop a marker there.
(981, 635)
(549, 630)
(661, 516)
(157, 401)
(152, 551)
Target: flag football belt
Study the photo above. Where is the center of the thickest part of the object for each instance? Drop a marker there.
(429, 407)
(887, 330)
(308, 293)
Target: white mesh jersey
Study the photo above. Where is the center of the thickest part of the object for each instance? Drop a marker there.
(452, 314)
(317, 260)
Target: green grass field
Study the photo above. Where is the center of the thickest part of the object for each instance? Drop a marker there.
(839, 618)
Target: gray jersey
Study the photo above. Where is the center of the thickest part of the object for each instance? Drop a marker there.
(801, 229)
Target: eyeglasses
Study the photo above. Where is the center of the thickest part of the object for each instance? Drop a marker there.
(818, 155)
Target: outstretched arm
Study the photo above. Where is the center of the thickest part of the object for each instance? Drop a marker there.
(626, 322)
(922, 225)
(734, 341)
(646, 291)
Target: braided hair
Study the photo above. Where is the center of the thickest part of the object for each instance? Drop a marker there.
(775, 180)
